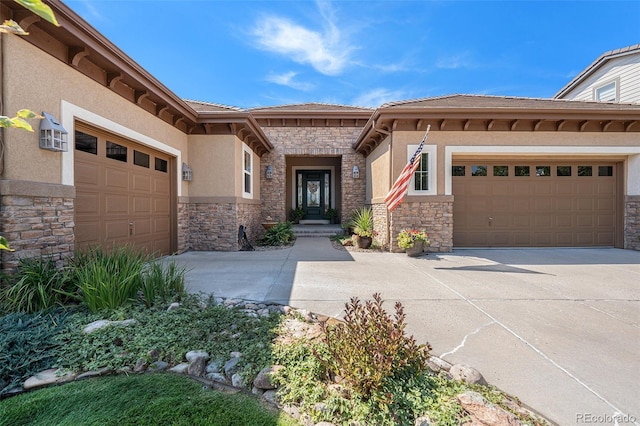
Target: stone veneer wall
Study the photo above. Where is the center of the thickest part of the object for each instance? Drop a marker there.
(380, 224)
(183, 225)
(214, 225)
(312, 142)
(632, 222)
(434, 216)
(37, 220)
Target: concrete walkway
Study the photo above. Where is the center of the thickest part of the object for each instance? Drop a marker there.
(559, 328)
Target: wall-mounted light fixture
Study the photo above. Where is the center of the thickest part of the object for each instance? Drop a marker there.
(187, 174)
(52, 135)
(269, 172)
(356, 172)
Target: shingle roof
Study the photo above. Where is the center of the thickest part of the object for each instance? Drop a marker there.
(311, 107)
(201, 106)
(596, 64)
(504, 102)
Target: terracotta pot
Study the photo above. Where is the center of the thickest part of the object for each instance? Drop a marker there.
(416, 250)
(363, 242)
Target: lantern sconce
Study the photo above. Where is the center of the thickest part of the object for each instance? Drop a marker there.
(269, 172)
(52, 135)
(356, 172)
(187, 173)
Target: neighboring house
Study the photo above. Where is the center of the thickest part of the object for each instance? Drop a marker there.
(613, 77)
(148, 168)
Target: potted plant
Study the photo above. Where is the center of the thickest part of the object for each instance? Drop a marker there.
(296, 214)
(413, 241)
(331, 214)
(362, 223)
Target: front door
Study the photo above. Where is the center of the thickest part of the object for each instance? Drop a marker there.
(313, 193)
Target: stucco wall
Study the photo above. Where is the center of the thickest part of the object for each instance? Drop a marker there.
(46, 85)
(213, 162)
(378, 179)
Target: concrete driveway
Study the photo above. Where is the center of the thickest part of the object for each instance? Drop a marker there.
(559, 328)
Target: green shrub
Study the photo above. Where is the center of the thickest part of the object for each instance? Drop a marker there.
(39, 285)
(362, 222)
(370, 346)
(108, 280)
(278, 235)
(29, 343)
(161, 282)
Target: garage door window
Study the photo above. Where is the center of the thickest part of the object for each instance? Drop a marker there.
(543, 170)
(521, 170)
(585, 171)
(458, 170)
(86, 143)
(116, 152)
(563, 170)
(605, 170)
(478, 170)
(140, 159)
(501, 170)
(161, 165)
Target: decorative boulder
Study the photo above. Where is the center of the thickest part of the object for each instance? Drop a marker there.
(467, 374)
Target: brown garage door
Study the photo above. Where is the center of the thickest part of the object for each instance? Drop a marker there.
(534, 203)
(123, 193)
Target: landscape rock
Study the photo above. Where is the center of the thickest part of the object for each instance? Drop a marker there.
(174, 305)
(467, 374)
(423, 421)
(216, 377)
(257, 391)
(180, 368)
(231, 366)
(270, 397)
(141, 366)
(484, 412)
(237, 381)
(48, 377)
(97, 325)
(436, 364)
(192, 355)
(154, 354)
(214, 367)
(197, 366)
(263, 379)
(158, 366)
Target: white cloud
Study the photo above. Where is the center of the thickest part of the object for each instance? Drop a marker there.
(455, 61)
(325, 50)
(288, 79)
(377, 97)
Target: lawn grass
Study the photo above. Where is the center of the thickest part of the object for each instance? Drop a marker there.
(148, 399)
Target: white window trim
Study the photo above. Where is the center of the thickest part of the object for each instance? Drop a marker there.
(432, 155)
(616, 84)
(247, 150)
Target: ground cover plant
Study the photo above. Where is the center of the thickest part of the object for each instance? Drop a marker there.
(150, 399)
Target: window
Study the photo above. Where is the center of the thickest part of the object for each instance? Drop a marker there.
(563, 171)
(86, 143)
(421, 175)
(543, 170)
(478, 170)
(521, 170)
(585, 171)
(140, 159)
(458, 170)
(247, 171)
(116, 152)
(501, 170)
(424, 178)
(161, 165)
(605, 170)
(606, 93)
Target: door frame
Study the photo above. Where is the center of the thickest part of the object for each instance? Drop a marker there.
(294, 179)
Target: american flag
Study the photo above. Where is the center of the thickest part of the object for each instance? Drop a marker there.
(401, 186)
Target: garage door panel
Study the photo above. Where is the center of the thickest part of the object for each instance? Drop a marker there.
(116, 204)
(546, 210)
(141, 183)
(113, 194)
(116, 178)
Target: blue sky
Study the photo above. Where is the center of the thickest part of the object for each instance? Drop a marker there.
(263, 53)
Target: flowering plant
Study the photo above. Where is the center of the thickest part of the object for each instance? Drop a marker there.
(408, 237)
